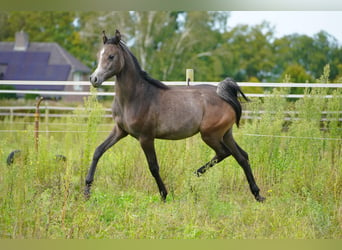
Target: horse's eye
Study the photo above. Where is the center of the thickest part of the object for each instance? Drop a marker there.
(111, 57)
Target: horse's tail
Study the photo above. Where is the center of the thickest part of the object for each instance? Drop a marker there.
(228, 90)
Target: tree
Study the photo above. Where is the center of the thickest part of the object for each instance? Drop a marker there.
(165, 42)
(144, 32)
(297, 74)
(311, 53)
(168, 42)
(249, 52)
(193, 45)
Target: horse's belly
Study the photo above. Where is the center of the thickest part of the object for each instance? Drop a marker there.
(178, 126)
(176, 135)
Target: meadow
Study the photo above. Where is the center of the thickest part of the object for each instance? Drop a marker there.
(297, 164)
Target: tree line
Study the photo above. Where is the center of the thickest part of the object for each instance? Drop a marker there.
(168, 42)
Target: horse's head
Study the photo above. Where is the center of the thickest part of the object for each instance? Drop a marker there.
(110, 60)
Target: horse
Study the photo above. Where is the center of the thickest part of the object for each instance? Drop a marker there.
(147, 109)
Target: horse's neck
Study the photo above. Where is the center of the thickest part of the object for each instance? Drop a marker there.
(130, 86)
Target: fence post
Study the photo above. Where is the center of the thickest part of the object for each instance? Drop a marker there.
(36, 123)
(189, 76)
(11, 115)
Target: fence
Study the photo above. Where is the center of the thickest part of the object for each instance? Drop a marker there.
(12, 111)
(169, 83)
(26, 111)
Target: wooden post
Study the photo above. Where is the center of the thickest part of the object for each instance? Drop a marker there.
(36, 123)
(189, 76)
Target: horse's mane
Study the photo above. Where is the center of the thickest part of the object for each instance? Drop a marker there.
(143, 73)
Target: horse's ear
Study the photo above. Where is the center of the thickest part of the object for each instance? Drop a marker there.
(117, 36)
(104, 37)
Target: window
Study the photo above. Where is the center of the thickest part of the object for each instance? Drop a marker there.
(3, 68)
(77, 77)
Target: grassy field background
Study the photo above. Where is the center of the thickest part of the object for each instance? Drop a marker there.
(297, 165)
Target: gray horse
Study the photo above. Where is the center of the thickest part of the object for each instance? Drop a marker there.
(146, 109)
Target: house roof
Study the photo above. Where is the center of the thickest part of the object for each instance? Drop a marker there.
(22, 65)
(58, 55)
(24, 60)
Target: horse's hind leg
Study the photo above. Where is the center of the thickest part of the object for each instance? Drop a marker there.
(242, 158)
(220, 149)
(113, 138)
(206, 166)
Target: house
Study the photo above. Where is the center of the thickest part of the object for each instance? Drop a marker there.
(41, 61)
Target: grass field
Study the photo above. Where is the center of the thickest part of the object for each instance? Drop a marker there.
(297, 165)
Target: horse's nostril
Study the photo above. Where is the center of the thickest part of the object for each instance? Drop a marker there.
(93, 79)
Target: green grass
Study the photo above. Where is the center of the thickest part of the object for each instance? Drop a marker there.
(300, 175)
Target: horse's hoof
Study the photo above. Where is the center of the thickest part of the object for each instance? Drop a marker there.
(259, 198)
(60, 158)
(11, 157)
(86, 193)
(86, 196)
(163, 195)
(198, 173)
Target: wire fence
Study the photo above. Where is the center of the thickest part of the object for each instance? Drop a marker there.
(108, 131)
(11, 111)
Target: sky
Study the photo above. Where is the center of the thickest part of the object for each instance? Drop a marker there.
(289, 22)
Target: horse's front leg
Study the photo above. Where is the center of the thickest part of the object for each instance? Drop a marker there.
(116, 134)
(150, 153)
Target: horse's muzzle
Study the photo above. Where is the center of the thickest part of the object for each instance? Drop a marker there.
(95, 81)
